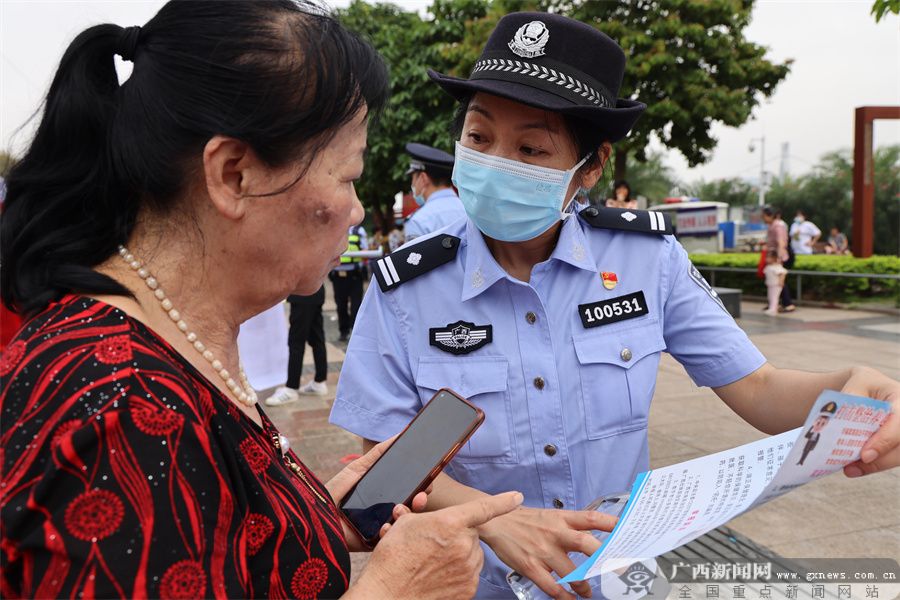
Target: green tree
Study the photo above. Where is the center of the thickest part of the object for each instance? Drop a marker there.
(689, 62)
(418, 110)
(735, 192)
(881, 7)
(650, 178)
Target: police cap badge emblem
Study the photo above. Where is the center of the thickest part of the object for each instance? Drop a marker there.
(530, 40)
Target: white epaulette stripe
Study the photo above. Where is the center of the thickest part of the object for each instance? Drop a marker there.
(384, 272)
(656, 221)
(390, 266)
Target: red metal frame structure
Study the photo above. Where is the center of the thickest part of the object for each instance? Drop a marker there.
(864, 176)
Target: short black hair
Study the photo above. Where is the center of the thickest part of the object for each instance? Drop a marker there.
(281, 75)
(439, 177)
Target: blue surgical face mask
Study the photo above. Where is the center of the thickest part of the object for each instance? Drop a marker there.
(508, 200)
(419, 198)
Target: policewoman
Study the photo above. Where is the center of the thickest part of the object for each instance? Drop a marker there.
(430, 170)
(554, 323)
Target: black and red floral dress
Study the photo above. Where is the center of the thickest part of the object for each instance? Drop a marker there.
(125, 473)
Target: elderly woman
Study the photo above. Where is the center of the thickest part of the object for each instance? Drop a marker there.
(554, 323)
(143, 225)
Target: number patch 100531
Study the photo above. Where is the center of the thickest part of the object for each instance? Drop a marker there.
(613, 310)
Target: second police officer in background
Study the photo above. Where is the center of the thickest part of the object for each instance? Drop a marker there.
(347, 281)
(439, 205)
(554, 323)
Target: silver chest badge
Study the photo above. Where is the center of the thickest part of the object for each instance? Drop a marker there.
(461, 337)
(530, 40)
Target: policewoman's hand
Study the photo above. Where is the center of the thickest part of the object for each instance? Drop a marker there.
(882, 451)
(343, 482)
(434, 555)
(536, 543)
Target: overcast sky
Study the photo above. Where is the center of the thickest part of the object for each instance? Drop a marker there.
(842, 59)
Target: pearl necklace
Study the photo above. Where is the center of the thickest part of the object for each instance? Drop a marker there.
(243, 391)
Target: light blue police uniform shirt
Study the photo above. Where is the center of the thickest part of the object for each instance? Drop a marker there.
(593, 404)
(442, 208)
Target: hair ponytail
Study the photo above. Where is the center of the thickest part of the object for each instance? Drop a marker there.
(58, 219)
(281, 75)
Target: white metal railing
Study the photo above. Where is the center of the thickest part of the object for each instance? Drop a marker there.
(799, 274)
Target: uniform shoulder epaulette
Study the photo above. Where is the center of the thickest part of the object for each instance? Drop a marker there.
(628, 219)
(408, 263)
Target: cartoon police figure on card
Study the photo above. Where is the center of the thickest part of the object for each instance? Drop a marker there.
(813, 434)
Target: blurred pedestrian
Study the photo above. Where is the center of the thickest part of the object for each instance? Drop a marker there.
(775, 274)
(837, 242)
(621, 196)
(347, 281)
(777, 245)
(306, 326)
(804, 234)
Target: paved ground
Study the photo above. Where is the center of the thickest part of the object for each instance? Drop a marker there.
(833, 518)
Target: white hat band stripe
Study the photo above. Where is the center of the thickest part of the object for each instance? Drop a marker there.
(543, 73)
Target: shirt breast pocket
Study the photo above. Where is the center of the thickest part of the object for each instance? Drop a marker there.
(618, 375)
(483, 381)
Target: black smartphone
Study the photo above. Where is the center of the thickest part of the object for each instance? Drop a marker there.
(412, 462)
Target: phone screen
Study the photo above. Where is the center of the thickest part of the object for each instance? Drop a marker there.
(441, 424)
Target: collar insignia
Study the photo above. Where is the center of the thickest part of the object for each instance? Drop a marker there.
(461, 337)
(578, 252)
(477, 279)
(530, 40)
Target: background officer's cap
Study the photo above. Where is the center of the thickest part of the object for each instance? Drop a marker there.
(431, 160)
(556, 63)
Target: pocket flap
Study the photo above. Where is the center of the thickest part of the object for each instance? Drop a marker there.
(465, 376)
(621, 347)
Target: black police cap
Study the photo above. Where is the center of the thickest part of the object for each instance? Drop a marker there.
(428, 159)
(556, 63)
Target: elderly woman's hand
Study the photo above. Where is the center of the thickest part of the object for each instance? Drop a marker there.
(343, 482)
(432, 555)
(882, 451)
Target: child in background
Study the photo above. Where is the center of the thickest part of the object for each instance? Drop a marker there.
(775, 274)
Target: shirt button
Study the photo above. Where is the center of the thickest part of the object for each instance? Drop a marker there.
(557, 503)
(539, 383)
(625, 354)
(530, 317)
(550, 450)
